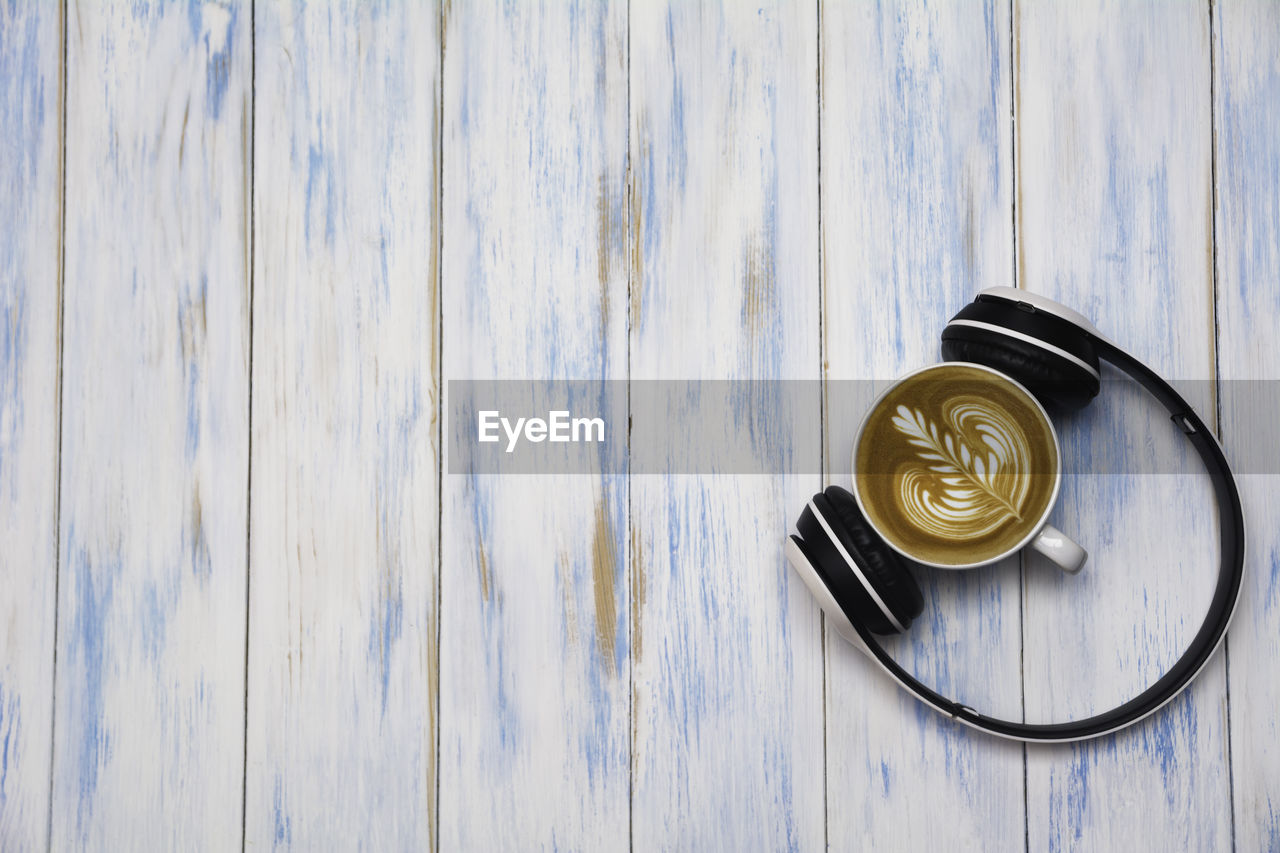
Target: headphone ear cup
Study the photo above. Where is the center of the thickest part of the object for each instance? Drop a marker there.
(883, 569)
(845, 588)
(1054, 380)
(1051, 357)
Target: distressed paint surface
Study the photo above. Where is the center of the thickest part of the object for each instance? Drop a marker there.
(627, 190)
(342, 657)
(727, 705)
(535, 639)
(30, 254)
(1114, 218)
(917, 176)
(1247, 113)
(150, 667)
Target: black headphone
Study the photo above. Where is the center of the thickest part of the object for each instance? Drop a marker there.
(865, 587)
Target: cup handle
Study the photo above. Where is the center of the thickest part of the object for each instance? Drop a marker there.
(1055, 545)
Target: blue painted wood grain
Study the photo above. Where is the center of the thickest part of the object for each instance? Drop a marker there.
(150, 669)
(628, 190)
(534, 636)
(30, 208)
(1247, 111)
(917, 201)
(727, 659)
(1114, 212)
(341, 727)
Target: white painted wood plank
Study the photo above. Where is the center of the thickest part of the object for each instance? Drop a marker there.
(342, 659)
(916, 217)
(534, 665)
(150, 667)
(727, 652)
(1246, 48)
(30, 249)
(1114, 214)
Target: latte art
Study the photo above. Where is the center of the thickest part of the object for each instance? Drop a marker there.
(974, 470)
(956, 465)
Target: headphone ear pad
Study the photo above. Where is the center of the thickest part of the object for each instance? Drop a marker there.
(882, 566)
(844, 586)
(1054, 380)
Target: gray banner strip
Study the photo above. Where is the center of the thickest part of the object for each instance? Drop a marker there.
(775, 427)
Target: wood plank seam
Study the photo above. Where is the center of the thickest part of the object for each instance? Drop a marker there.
(57, 514)
(823, 436)
(1246, 236)
(635, 578)
(433, 663)
(1014, 161)
(250, 274)
(1217, 381)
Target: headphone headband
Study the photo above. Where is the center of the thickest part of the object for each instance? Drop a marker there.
(1225, 596)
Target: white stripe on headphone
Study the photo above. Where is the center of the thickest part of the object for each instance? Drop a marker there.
(1001, 330)
(856, 570)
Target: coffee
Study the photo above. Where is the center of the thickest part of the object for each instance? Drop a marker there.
(956, 465)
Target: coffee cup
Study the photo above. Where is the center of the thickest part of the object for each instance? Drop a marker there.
(957, 466)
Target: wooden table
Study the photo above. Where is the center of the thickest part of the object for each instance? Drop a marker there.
(245, 246)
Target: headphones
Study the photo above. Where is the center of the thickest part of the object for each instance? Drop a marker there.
(865, 588)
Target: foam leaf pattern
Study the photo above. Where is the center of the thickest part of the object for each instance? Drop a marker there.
(973, 471)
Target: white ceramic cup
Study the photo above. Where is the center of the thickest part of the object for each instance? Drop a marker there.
(1042, 537)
